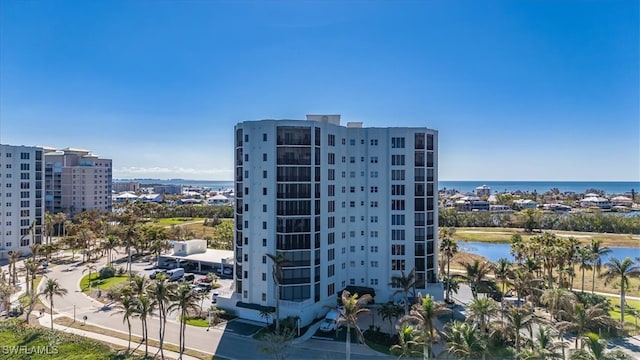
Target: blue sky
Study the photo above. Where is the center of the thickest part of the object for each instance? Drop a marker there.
(519, 90)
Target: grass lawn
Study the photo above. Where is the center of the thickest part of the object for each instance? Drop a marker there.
(200, 230)
(176, 221)
(198, 322)
(629, 319)
(503, 235)
(38, 343)
(101, 284)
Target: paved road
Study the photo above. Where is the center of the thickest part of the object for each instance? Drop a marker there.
(215, 341)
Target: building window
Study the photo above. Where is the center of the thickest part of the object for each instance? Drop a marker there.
(374, 249)
(264, 137)
(374, 189)
(397, 264)
(264, 157)
(374, 281)
(374, 142)
(397, 219)
(374, 219)
(331, 140)
(264, 276)
(331, 289)
(264, 259)
(397, 205)
(264, 242)
(331, 270)
(374, 264)
(352, 142)
(397, 143)
(245, 294)
(374, 234)
(397, 189)
(397, 250)
(264, 207)
(264, 225)
(374, 160)
(397, 160)
(264, 174)
(264, 297)
(352, 159)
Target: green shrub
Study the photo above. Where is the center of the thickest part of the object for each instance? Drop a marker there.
(107, 272)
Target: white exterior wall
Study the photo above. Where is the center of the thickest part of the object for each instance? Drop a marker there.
(361, 258)
(21, 199)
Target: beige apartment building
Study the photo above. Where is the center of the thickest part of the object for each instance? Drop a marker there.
(76, 180)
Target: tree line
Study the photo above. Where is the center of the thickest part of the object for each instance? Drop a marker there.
(537, 219)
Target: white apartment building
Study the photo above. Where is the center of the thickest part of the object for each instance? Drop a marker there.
(76, 180)
(21, 198)
(345, 205)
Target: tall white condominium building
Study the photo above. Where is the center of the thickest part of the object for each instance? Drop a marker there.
(347, 207)
(21, 198)
(76, 180)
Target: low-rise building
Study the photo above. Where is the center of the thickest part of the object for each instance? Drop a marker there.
(596, 201)
(525, 204)
(621, 201)
(471, 203)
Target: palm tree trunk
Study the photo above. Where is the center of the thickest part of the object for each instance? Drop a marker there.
(129, 327)
(593, 280)
(582, 280)
(51, 311)
(425, 350)
(145, 331)
(277, 308)
(160, 334)
(448, 278)
(348, 342)
(622, 295)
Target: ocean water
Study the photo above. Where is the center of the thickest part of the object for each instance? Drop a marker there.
(579, 187)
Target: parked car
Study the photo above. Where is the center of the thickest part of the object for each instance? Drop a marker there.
(214, 297)
(330, 321)
(189, 277)
(175, 274)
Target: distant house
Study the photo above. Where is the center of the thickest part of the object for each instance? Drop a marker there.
(483, 190)
(500, 208)
(621, 201)
(471, 203)
(595, 201)
(525, 204)
(556, 207)
(157, 198)
(218, 199)
(190, 201)
(125, 196)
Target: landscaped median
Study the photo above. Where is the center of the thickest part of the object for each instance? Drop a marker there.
(68, 322)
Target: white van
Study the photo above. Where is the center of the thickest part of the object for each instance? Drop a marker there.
(330, 321)
(175, 274)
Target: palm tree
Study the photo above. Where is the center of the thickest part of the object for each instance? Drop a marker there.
(423, 314)
(32, 268)
(519, 318)
(481, 310)
(144, 307)
(596, 349)
(405, 283)
(90, 268)
(52, 288)
(581, 318)
(185, 300)
(584, 262)
(389, 311)
(543, 346)
(127, 306)
(278, 263)
(558, 300)
(448, 248)
(162, 293)
(265, 313)
(110, 245)
(406, 346)
(463, 341)
(597, 252)
(475, 274)
(139, 284)
(352, 308)
(502, 271)
(624, 270)
(13, 259)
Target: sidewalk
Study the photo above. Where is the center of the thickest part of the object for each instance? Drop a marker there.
(45, 321)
